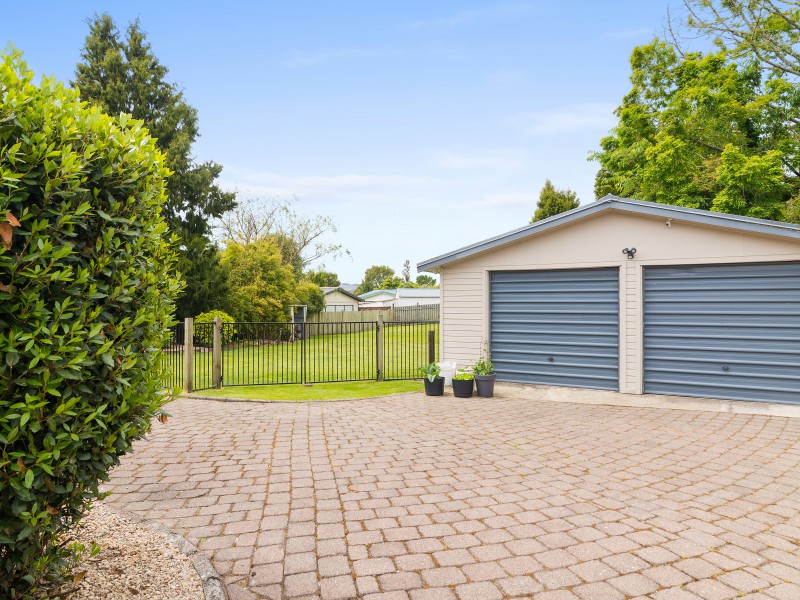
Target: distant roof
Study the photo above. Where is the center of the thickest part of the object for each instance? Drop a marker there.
(418, 292)
(668, 211)
(374, 293)
(328, 290)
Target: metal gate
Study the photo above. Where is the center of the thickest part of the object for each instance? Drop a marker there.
(556, 327)
(730, 331)
(206, 355)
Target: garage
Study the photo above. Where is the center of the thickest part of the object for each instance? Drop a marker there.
(556, 327)
(631, 296)
(723, 331)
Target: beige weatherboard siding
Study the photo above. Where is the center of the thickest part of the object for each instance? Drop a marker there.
(595, 238)
(335, 298)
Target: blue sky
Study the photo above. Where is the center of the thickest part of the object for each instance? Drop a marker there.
(418, 126)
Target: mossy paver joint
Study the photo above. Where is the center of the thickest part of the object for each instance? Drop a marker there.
(413, 498)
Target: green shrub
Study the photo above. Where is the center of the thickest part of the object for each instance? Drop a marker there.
(205, 335)
(310, 294)
(86, 297)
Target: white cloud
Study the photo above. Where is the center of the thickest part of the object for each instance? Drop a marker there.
(567, 119)
(345, 188)
(505, 159)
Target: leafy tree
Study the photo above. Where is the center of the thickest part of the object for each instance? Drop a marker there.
(302, 240)
(124, 76)
(554, 202)
(702, 131)
(262, 284)
(308, 293)
(395, 281)
(768, 30)
(407, 271)
(426, 281)
(86, 297)
(323, 278)
(374, 276)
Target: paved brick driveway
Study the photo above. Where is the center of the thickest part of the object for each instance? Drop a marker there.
(426, 499)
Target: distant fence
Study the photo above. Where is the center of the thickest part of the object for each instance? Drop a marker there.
(210, 355)
(402, 314)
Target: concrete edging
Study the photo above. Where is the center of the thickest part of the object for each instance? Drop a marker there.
(607, 398)
(194, 396)
(213, 589)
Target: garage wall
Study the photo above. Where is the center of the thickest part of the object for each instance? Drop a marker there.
(594, 242)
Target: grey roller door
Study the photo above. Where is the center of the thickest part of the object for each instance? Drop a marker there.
(556, 327)
(729, 331)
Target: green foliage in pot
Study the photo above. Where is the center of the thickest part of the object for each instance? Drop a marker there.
(431, 371)
(463, 376)
(483, 366)
(87, 294)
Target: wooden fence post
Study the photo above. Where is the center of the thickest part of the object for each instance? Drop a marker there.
(216, 355)
(431, 346)
(188, 355)
(379, 348)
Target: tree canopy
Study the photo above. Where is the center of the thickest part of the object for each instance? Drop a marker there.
(123, 75)
(395, 281)
(553, 202)
(426, 281)
(374, 276)
(704, 131)
(323, 278)
(262, 284)
(767, 30)
(303, 240)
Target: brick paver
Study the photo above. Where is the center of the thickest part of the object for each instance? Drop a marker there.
(421, 498)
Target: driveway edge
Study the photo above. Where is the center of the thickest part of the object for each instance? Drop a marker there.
(607, 398)
(257, 401)
(212, 584)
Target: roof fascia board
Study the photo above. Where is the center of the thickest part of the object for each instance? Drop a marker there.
(513, 236)
(668, 211)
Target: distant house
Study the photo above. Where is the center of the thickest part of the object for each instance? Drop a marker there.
(339, 300)
(416, 296)
(377, 299)
(399, 298)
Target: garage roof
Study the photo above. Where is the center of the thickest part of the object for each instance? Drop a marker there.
(667, 211)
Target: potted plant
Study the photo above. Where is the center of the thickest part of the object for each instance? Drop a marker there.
(463, 383)
(484, 375)
(434, 383)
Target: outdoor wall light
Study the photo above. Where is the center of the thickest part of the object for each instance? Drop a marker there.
(631, 252)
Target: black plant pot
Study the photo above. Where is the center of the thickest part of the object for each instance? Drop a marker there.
(435, 387)
(462, 388)
(484, 385)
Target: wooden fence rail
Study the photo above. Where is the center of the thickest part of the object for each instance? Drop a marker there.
(402, 314)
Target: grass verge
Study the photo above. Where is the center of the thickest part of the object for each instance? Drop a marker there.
(317, 391)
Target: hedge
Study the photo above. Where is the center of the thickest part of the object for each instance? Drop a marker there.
(86, 297)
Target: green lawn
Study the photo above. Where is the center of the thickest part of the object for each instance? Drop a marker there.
(339, 357)
(317, 391)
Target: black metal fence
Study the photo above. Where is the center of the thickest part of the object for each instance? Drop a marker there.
(407, 347)
(173, 356)
(285, 353)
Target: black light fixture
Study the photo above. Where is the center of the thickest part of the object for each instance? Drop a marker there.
(631, 252)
